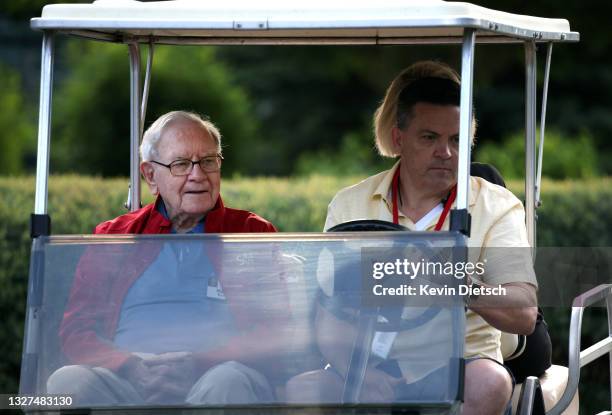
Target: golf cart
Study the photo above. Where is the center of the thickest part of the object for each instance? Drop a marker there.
(272, 283)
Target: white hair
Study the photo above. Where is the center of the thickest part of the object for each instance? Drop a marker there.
(151, 137)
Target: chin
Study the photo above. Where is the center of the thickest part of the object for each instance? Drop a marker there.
(198, 209)
(442, 183)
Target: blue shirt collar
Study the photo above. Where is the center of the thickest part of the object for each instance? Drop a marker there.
(161, 208)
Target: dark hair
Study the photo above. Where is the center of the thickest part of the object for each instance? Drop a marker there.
(437, 91)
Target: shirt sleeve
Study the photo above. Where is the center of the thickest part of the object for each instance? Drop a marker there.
(506, 252)
(331, 220)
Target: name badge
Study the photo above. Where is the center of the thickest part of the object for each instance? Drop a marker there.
(214, 289)
(382, 342)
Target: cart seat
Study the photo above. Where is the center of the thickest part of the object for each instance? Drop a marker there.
(553, 384)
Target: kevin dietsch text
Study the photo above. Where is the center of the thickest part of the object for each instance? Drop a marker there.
(428, 290)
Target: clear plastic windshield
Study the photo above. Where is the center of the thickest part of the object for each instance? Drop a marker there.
(209, 321)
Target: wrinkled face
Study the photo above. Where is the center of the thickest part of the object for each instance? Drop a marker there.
(429, 145)
(195, 194)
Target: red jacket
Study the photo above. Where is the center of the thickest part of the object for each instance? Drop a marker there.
(148, 220)
(104, 276)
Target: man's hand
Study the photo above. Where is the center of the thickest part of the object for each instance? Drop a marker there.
(137, 373)
(379, 386)
(171, 377)
(164, 378)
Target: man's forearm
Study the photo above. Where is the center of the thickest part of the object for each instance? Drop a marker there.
(514, 312)
(260, 348)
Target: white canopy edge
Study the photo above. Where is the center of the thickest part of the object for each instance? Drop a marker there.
(336, 21)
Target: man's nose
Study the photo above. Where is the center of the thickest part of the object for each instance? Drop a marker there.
(197, 173)
(443, 149)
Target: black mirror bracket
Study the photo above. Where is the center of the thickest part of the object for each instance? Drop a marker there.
(460, 220)
(40, 225)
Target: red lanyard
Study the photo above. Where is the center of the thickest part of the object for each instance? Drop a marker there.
(394, 192)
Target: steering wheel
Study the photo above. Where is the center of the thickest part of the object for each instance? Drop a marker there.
(367, 225)
(390, 321)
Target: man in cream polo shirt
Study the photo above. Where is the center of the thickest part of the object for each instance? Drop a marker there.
(418, 122)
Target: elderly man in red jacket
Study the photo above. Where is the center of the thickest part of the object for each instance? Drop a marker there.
(135, 329)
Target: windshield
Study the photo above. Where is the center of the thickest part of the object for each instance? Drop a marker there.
(164, 321)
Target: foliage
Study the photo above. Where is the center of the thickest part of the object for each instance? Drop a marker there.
(315, 100)
(564, 157)
(78, 203)
(356, 156)
(309, 98)
(306, 97)
(580, 220)
(92, 105)
(580, 82)
(293, 205)
(16, 127)
(29, 8)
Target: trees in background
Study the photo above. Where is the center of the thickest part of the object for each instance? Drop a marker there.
(91, 113)
(16, 124)
(299, 109)
(564, 156)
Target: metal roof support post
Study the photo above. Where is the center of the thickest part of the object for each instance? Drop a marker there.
(145, 88)
(530, 133)
(40, 222)
(609, 315)
(135, 127)
(44, 124)
(459, 217)
(543, 125)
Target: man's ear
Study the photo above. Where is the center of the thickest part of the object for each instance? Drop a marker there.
(148, 173)
(396, 139)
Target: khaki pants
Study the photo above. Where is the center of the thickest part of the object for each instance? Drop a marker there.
(227, 383)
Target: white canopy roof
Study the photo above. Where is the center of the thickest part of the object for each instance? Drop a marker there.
(306, 21)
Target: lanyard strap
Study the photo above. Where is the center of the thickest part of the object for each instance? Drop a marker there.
(394, 195)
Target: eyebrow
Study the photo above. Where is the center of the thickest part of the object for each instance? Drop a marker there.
(189, 158)
(428, 131)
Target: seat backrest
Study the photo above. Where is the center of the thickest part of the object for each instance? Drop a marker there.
(487, 172)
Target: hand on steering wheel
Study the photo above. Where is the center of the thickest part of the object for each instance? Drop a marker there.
(339, 309)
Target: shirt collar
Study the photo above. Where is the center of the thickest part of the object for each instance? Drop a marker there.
(384, 187)
(383, 190)
(161, 208)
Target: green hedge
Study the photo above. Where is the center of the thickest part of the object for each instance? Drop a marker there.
(574, 213)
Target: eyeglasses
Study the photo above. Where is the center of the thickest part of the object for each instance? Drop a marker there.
(183, 167)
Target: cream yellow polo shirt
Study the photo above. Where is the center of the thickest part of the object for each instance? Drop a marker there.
(498, 220)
